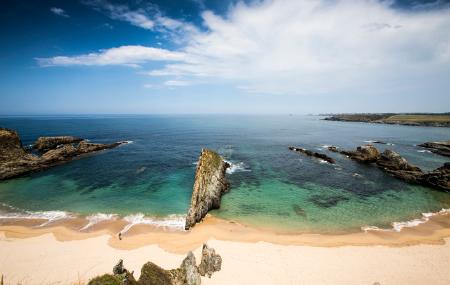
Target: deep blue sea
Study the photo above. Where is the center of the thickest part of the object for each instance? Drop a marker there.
(150, 179)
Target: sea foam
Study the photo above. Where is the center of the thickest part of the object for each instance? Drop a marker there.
(398, 226)
(175, 222)
(97, 218)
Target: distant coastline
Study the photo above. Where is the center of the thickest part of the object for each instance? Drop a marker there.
(409, 119)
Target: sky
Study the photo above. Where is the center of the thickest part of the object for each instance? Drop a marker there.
(224, 57)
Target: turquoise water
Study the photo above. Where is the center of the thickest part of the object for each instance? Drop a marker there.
(270, 186)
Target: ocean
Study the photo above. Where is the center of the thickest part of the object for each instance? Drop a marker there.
(150, 179)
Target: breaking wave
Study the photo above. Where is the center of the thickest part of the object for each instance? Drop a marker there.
(398, 226)
(176, 222)
(97, 218)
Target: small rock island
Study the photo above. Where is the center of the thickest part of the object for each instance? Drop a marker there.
(210, 183)
(16, 161)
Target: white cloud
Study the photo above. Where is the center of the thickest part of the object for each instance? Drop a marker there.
(124, 55)
(307, 47)
(177, 83)
(59, 12)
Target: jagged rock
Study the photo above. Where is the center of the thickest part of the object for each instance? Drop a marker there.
(438, 178)
(118, 268)
(152, 274)
(442, 148)
(394, 164)
(210, 262)
(43, 144)
(16, 161)
(189, 271)
(365, 153)
(333, 148)
(313, 154)
(210, 183)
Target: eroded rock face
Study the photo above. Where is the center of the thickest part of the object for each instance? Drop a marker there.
(43, 144)
(365, 153)
(210, 263)
(438, 178)
(210, 183)
(394, 164)
(318, 155)
(16, 161)
(442, 148)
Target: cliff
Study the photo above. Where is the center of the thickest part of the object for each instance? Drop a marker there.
(210, 183)
(16, 161)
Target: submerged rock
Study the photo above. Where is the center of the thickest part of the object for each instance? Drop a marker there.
(210, 183)
(16, 161)
(365, 153)
(43, 144)
(441, 148)
(313, 154)
(210, 262)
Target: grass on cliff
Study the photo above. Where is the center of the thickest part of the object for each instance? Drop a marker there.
(418, 118)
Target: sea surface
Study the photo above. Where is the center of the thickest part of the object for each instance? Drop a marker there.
(150, 179)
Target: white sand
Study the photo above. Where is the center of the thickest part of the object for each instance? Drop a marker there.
(45, 260)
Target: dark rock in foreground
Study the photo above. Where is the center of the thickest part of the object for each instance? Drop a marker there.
(313, 154)
(397, 166)
(210, 263)
(438, 178)
(151, 274)
(16, 161)
(210, 183)
(442, 148)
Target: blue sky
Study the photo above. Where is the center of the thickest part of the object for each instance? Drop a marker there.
(194, 56)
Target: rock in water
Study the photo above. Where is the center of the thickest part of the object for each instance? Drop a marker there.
(210, 183)
(365, 153)
(210, 263)
(16, 161)
(43, 144)
(442, 148)
(394, 164)
(438, 178)
(318, 155)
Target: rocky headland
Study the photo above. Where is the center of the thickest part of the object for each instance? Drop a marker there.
(318, 155)
(427, 120)
(397, 166)
(16, 161)
(210, 183)
(151, 274)
(441, 148)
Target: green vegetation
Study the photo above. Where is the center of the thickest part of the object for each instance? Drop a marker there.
(418, 118)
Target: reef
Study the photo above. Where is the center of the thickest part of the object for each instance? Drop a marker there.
(17, 161)
(441, 148)
(318, 155)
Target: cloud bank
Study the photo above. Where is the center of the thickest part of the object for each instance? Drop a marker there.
(296, 47)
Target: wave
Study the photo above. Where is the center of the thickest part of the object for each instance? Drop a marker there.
(398, 226)
(379, 142)
(237, 167)
(97, 218)
(424, 150)
(50, 216)
(176, 222)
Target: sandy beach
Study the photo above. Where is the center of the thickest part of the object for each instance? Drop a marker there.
(60, 255)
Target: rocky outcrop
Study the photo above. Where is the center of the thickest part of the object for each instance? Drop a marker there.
(210, 263)
(16, 161)
(151, 274)
(210, 183)
(438, 178)
(44, 144)
(365, 153)
(397, 166)
(442, 148)
(313, 154)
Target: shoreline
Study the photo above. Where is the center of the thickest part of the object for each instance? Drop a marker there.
(434, 230)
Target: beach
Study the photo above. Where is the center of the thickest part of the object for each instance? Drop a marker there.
(60, 255)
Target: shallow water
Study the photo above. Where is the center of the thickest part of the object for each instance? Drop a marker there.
(271, 186)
